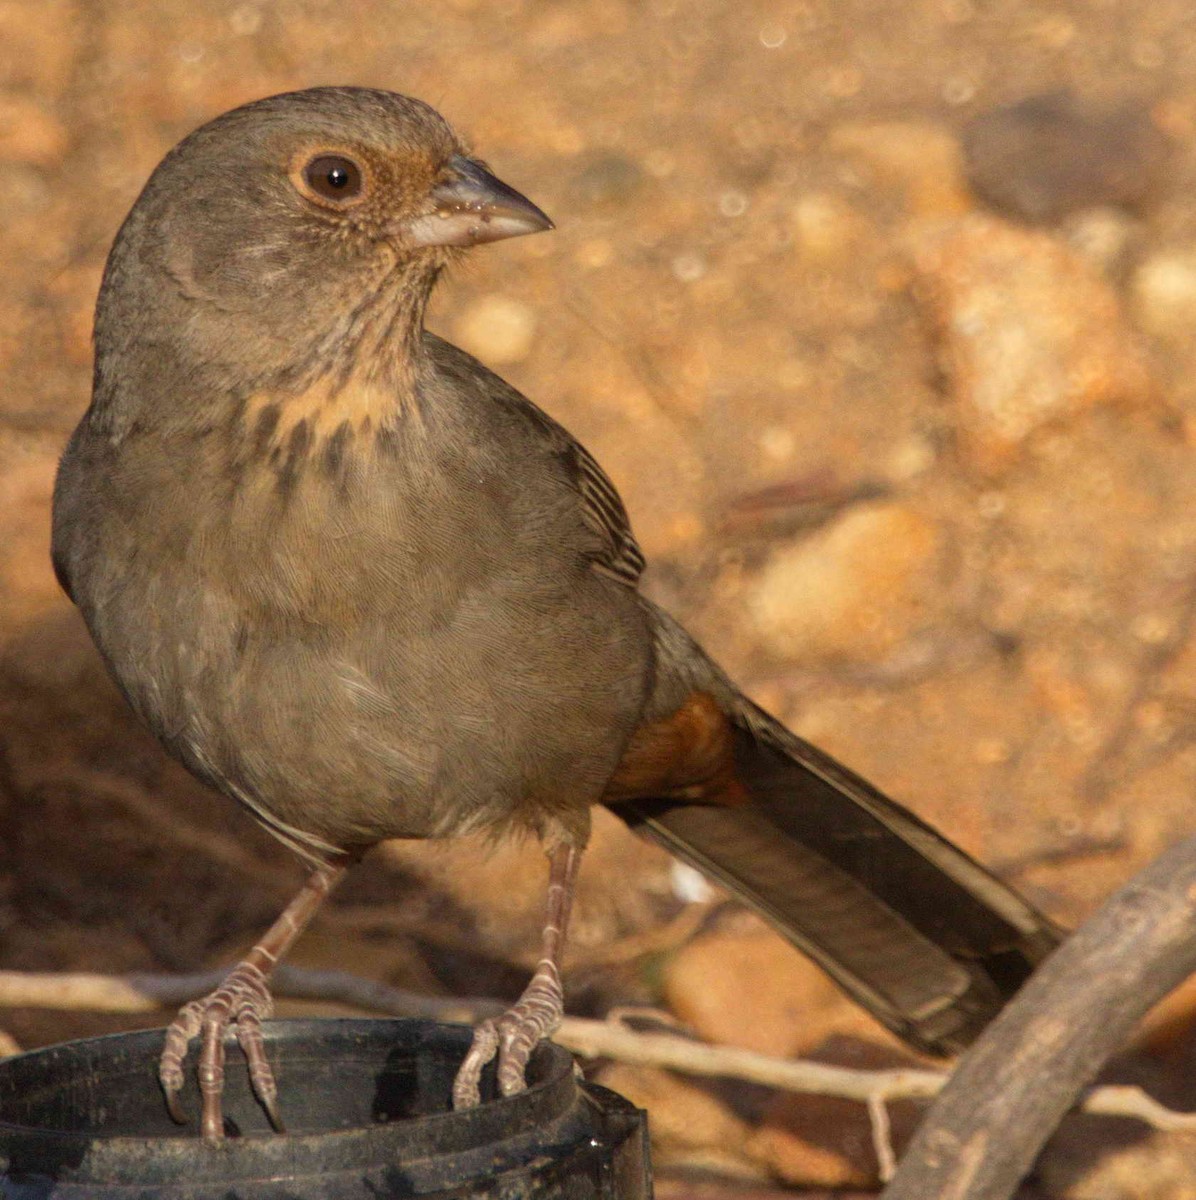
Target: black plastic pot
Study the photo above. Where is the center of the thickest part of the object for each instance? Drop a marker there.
(366, 1104)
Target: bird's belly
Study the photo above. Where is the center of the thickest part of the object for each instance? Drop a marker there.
(398, 723)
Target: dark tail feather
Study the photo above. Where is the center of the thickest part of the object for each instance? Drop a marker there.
(907, 924)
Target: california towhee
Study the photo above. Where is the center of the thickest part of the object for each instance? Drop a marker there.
(356, 581)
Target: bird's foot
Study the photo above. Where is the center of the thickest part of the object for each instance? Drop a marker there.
(242, 1002)
(512, 1037)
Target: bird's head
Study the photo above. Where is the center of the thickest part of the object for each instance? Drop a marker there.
(296, 225)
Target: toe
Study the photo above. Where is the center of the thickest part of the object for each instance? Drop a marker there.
(261, 1075)
(174, 1053)
(211, 1069)
(467, 1091)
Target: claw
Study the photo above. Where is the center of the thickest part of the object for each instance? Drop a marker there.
(261, 1075)
(170, 1066)
(467, 1092)
(272, 1113)
(177, 1113)
(512, 1038)
(240, 1002)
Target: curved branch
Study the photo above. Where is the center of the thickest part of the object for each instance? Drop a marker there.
(1011, 1090)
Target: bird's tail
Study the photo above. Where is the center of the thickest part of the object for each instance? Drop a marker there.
(906, 923)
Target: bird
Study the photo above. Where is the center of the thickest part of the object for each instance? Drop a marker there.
(357, 582)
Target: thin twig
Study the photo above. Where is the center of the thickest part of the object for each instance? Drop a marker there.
(601, 1039)
(882, 1137)
(587, 1038)
(1125, 1101)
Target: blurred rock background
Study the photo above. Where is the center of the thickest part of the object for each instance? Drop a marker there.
(881, 318)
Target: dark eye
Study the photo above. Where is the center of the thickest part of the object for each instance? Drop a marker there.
(333, 177)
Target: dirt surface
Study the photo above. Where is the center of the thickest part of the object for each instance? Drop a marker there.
(919, 472)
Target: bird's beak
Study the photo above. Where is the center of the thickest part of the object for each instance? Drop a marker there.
(470, 206)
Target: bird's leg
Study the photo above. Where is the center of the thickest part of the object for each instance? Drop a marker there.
(538, 1012)
(242, 1002)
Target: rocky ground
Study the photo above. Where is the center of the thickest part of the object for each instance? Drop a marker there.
(898, 384)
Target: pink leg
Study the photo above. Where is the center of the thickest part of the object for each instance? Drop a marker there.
(538, 1012)
(242, 1002)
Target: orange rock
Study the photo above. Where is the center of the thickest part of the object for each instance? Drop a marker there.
(1029, 333)
(816, 1141)
(502, 886)
(39, 44)
(688, 1119)
(921, 158)
(1081, 1164)
(1171, 1023)
(820, 1141)
(753, 990)
(855, 590)
(30, 134)
(826, 228)
(1163, 295)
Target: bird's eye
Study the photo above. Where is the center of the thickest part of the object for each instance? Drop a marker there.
(333, 177)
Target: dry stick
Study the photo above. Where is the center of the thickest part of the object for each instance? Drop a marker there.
(1009, 1093)
(590, 1039)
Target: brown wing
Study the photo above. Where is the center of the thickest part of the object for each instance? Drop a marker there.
(604, 514)
(617, 554)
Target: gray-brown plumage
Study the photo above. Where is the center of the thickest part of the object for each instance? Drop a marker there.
(353, 579)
